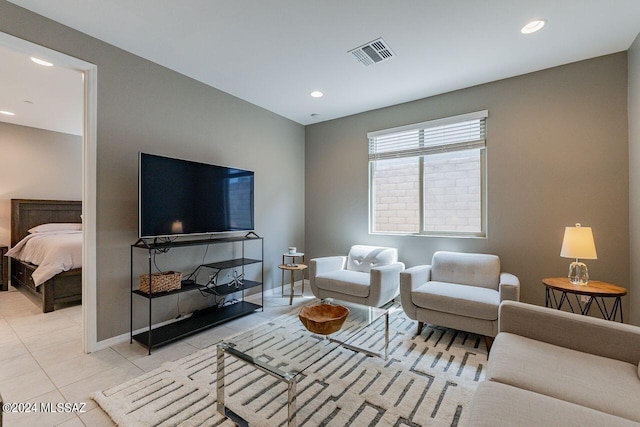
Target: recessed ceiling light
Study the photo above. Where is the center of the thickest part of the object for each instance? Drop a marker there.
(314, 115)
(41, 62)
(533, 26)
(7, 113)
(316, 94)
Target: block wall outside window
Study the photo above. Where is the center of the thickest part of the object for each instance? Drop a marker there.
(452, 192)
(397, 192)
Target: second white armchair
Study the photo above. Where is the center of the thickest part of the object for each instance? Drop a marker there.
(369, 275)
(458, 290)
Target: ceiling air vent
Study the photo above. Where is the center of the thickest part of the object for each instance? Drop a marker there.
(373, 52)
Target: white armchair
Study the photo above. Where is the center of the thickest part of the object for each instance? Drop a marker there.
(458, 290)
(369, 275)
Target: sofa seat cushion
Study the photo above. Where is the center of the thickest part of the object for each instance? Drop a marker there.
(345, 282)
(496, 405)
(462, 300)
(606, 385)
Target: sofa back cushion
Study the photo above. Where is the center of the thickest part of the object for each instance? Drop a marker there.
(362, 258)
(466, 269)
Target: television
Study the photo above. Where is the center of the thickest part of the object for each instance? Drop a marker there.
(181, 197)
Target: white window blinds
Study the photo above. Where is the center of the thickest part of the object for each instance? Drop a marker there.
(466, 131)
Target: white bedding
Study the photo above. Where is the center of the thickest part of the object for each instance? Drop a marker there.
(53, 252)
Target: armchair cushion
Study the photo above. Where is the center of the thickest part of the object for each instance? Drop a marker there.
(466, 269)
(362, 258)
(462, 300)
(344, 282)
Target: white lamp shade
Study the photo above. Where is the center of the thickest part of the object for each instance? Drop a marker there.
(578, 243)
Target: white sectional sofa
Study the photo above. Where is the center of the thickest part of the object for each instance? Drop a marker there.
(552, 368)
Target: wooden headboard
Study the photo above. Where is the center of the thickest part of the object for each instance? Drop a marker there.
(27, 213)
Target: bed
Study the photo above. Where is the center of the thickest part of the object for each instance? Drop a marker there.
(64, 287)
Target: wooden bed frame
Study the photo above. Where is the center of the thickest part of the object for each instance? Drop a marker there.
(64, 287)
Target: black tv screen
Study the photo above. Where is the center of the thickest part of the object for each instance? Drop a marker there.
(180, 197)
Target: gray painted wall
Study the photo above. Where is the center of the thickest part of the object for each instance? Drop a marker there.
(538, 123)
(146, 107)
(37, 164)
(557, 154)
(634, 179)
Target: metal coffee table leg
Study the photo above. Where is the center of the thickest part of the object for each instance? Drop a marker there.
(291, 401)
(386, 335)
(288, 378)
(220, 380)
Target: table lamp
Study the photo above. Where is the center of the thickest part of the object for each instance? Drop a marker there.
(578, 243)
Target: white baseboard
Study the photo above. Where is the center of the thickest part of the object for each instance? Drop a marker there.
(277, 290)
(119, 339)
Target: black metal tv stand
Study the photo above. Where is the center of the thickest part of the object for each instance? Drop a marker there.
(205, 318)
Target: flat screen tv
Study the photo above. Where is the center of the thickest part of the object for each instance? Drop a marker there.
(182, 197)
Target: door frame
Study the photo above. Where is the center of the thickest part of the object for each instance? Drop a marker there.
(89, 176)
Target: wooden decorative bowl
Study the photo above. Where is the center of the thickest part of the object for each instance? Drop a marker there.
(323, 319)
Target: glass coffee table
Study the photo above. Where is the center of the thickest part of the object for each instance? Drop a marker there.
(283, 349)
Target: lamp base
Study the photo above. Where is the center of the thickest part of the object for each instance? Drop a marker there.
(578, 273)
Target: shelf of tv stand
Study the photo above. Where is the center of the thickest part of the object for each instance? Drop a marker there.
(197, 322)
(145, 243)
(228, 288)
(184, 288)
(224, 289)
(232, 263)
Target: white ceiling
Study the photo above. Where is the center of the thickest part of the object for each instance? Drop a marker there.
(48, 98)
(274, 53)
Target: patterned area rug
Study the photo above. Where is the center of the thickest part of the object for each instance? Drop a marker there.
(427, 380)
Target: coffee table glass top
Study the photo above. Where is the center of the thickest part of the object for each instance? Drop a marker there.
(285, 348)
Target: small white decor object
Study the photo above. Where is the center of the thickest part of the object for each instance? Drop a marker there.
(237, 280)
(292, 249)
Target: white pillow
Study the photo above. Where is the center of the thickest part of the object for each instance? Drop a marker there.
(56, 226)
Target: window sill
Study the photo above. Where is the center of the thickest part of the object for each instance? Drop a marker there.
(442, 235)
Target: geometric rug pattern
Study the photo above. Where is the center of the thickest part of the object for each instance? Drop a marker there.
(428, 380)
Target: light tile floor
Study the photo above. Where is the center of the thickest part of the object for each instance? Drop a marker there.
(41, 358)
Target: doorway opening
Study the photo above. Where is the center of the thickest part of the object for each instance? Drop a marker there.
(89, 173)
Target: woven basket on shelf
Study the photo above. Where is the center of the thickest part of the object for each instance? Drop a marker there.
(162, 282)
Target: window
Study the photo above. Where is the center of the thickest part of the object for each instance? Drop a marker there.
(429, 178)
